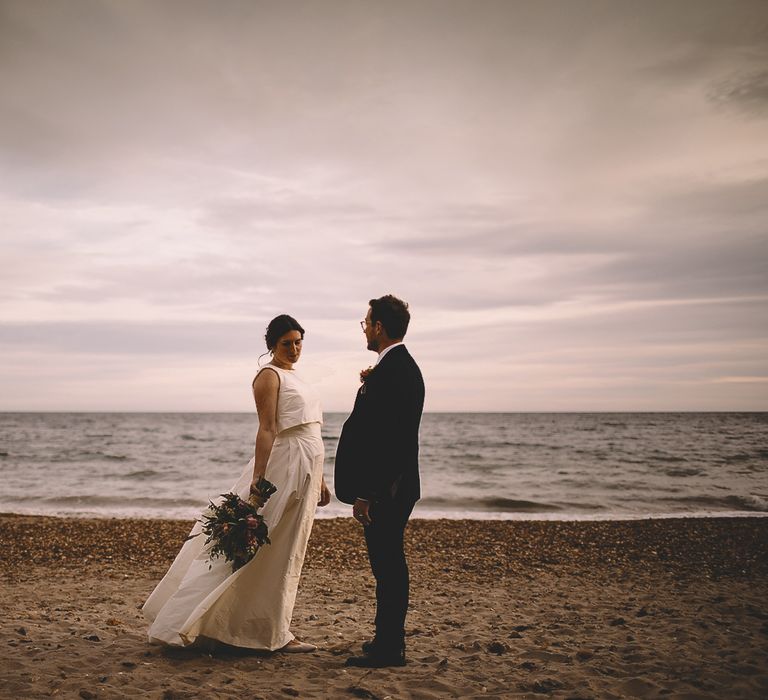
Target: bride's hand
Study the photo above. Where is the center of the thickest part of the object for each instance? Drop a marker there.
(253, 488)
(325, 495)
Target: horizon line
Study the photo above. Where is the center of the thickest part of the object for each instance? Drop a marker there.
(564, 412)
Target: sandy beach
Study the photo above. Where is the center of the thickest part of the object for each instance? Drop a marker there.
(649, 609)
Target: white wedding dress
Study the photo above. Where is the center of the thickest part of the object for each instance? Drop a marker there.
(253, 606)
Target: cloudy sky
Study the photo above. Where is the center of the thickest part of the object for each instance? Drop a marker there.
(572, 195)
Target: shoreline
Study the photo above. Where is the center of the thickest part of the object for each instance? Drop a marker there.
(499, 609)
(459, 516)
(685, 542)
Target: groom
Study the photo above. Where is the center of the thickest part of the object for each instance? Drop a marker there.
(377, 471)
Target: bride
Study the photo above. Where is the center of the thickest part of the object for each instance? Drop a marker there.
(200, 600)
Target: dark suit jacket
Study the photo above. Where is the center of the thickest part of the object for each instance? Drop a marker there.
(378, 453)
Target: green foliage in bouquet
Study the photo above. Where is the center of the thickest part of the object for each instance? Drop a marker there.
(234, 528)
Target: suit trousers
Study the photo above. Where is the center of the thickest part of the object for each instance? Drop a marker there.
(384, 538)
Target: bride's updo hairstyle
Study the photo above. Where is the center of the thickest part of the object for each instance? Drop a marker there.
(278, 327)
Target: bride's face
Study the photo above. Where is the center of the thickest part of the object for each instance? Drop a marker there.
(287, 350)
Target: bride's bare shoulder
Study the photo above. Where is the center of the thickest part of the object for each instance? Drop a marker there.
(266, 377)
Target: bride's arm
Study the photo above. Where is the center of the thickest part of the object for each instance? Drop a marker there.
(265, 390)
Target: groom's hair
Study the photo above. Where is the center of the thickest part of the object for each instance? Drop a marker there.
(393, 314)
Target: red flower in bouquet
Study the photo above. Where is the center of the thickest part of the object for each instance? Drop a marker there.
(234, 528)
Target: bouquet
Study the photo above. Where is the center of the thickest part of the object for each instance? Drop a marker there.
(234, 528)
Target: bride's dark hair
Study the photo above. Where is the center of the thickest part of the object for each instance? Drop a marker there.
(279, 326)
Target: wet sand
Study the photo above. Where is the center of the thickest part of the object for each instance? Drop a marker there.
(644, 609)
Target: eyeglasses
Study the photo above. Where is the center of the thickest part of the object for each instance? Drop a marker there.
(364, 324)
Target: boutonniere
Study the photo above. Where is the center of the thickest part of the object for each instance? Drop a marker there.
(364, 374)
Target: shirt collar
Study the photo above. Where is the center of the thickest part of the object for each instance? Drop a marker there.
(386, 350)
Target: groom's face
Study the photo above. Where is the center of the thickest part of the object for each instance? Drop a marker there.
(371, 333)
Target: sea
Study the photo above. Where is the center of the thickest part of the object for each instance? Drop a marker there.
(532, 466)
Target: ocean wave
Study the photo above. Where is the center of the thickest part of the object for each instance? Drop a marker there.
(87, 456)
(750, 502)
(145, 502)
(683, 471)
(478, 483)
(736, 458)
(141, 474)
(473, 456)
(194, 438)
(518, 506)
(757, 503)
(494, 503)
(542, 466)
(550, 447)
(671, 459)
(579, 507)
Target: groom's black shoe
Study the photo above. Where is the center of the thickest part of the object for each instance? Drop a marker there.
(372, 645)
(377, 658)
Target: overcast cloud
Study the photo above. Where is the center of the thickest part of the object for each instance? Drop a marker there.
(573, 196)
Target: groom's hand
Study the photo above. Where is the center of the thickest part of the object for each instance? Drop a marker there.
(325, 495)
(360, 512)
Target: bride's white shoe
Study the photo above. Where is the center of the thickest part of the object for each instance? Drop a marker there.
(297, 647)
